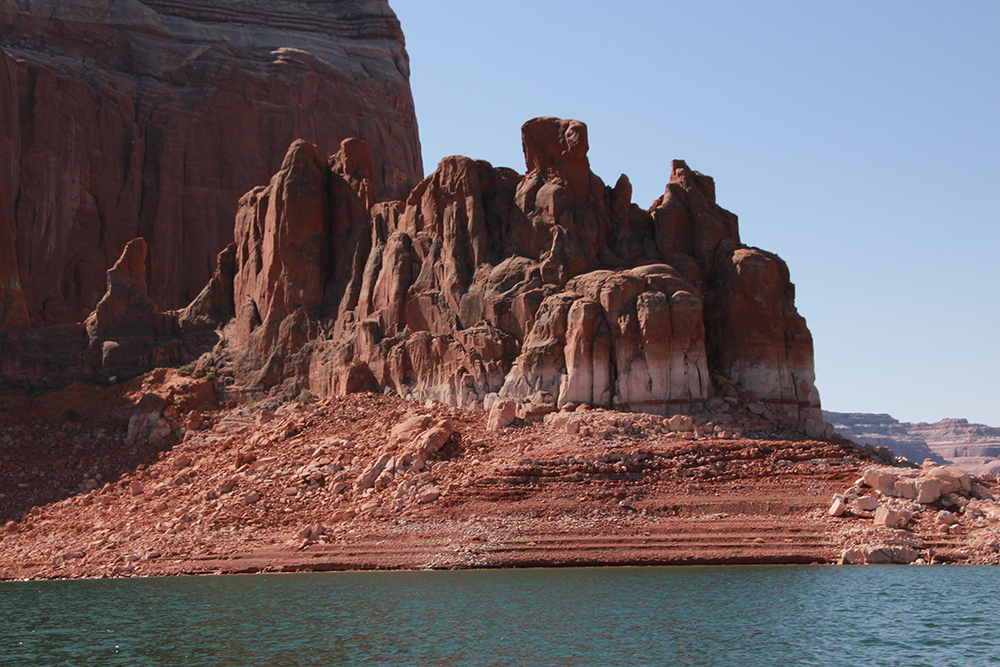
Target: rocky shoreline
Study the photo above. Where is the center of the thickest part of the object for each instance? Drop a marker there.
(485, 368)
(367, 482)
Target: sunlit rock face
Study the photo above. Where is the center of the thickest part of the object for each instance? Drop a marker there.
(535, 292)
(151, 118)
(548, 287)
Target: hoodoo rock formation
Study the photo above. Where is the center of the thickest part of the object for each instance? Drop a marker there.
(548, 288)
(150, 118)
(531, 293)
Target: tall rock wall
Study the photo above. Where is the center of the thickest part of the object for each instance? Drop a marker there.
(151, 118)
(484, 286)
(549, 287)
(13, 310)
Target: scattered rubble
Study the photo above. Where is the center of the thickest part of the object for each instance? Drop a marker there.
(371, 481)
(923, 507)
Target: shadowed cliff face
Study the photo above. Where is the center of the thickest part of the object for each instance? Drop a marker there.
(128, 118)
(13, 312)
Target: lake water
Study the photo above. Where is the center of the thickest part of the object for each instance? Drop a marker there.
(744, 616)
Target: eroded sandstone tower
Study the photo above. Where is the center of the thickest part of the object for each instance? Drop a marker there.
(549, 287)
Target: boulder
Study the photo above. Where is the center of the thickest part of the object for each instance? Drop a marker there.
(852, 556)
(879, 555)
(881, 480)
(946, 518)
(144, 418)
(981, 492)
(951, 479)
(194, 421)
(411, 444)
(839, 506)
(866, 504)
(892, 518)
(430, 441)
(428, 494)
(502, 414)
(228, 484)
(409, 428)
(680, 424)
(893, 554)
(928, 490)
(181, 462)
(250, 498)
(905, 488)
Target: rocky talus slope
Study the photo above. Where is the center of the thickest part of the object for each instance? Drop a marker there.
(150, 118)
(373, 482)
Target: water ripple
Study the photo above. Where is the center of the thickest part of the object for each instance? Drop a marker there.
(747, 616)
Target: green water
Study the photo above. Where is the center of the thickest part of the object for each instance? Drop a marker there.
(743, 616)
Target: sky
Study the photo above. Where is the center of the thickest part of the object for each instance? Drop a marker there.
(860, 141)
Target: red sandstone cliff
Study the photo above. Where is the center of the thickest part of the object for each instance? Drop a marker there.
(484, 288)
(549, 288)
(128, 118)
(13, 311)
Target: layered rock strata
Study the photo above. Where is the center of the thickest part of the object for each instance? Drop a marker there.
(974, 448)
(128, 118)
(881, 431)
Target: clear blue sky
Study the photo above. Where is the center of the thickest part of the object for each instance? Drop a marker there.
(858, 140)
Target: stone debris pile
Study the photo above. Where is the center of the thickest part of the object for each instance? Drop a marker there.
(371, 481)
(733, 415)
(944, 498)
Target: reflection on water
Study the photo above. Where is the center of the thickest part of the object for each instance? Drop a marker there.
(743, 616)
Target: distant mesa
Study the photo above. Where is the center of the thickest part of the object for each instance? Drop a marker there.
(549, 288)
(975, 448)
